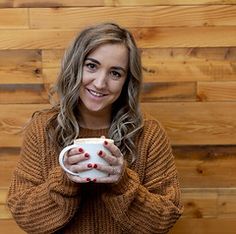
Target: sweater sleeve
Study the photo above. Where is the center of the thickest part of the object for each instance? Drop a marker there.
(153, 205)
(37, 204)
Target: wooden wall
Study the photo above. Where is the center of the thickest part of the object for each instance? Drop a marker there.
(189, 62)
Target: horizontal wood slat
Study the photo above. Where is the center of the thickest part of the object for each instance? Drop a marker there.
(73, 3)
(216, 91)
(14, 18)
(9, 226)
(155, 16)
(186, 123)
(146, 37)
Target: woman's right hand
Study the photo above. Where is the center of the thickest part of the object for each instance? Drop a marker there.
(72, 161)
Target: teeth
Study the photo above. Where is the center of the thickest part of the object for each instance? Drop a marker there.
(95, 93)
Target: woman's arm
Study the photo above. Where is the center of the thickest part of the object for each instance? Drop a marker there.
(40, 205)
(154, 205)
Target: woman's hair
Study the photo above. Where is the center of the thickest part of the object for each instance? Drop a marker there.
(126, 116)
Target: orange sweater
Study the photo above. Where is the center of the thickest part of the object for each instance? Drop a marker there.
(146, 200)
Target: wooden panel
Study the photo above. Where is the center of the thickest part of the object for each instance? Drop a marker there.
(134, 16)
(14, 18)
(153, 92)
(12, 120)
(216, 91)
(197, 123)
(205, 226)
(146, 37)
(189, 64)
(8, 161)
(206, 166)
(71, 3)
(186, 123)
(10, 227)
(23, 93)
(20, 66)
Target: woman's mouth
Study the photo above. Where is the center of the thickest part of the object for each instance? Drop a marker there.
(96, 94)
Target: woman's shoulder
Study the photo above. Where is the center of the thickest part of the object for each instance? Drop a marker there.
(150, 121)
(41, 118)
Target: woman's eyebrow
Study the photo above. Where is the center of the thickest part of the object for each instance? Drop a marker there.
(113, 67)
(93, 60)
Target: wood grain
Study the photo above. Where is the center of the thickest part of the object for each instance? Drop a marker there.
(216, 91)
(162, 37)
(14, 18)
(9, 226)
(20, 67)
(156, 16)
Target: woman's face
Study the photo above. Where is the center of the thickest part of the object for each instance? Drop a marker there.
(104, 74)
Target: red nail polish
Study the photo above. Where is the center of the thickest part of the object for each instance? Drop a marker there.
(100, 153)
(88, 179)
(90, 165)
(95, 166)
(94, 180)
(105, 142)
(86, 155)
(81, 150)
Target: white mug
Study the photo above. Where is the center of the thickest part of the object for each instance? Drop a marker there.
(91, 146)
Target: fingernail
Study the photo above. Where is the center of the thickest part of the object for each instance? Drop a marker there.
(95, 166)
(90, 165)
(88, 179)
(81, 150)
(105, 142)
(100, 153)
(86, 155)
(94, 180)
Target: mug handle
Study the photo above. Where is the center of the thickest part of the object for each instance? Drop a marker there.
(61, 159)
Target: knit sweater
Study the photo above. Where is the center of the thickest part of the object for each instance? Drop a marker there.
(146, 199)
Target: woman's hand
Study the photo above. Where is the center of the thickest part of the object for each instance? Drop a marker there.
(115, 167)
(72, 162)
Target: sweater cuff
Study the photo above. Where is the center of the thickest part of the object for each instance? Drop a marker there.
(59, 182)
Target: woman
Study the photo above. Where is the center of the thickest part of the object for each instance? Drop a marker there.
(98, 95)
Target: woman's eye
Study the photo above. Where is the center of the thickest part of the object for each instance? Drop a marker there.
(116, 74)
(91, 66)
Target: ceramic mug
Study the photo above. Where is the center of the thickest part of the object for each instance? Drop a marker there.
(91, 146)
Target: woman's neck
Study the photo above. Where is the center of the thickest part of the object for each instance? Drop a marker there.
(94, 120)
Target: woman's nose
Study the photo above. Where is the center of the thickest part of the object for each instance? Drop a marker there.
(100, 80)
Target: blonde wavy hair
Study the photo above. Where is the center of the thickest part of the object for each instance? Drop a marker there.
(126, 116)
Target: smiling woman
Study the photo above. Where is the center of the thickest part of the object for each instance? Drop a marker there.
(98, 92)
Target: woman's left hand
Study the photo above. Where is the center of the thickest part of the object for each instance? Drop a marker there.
(115, 167)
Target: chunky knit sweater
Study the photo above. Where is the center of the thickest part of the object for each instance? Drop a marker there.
(42, 199)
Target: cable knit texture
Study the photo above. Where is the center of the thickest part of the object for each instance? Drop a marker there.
(146, 199)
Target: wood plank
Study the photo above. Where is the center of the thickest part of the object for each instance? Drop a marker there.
(187, 123)
(155, 16)
(216, 91)
(12, 120)
(8, 160)
(146, 37)
(152, 92)
(72, 3)
(204, 226)
(23, 93)
(14, 18)
(20, 66)
(171, 2)
(10, 227)
(206, 166)
(188, 64)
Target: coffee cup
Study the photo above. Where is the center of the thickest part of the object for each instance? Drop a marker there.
(91, 146)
